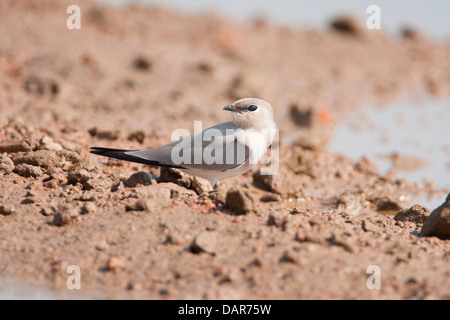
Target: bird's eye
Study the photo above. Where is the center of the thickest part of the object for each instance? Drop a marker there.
(252, 108)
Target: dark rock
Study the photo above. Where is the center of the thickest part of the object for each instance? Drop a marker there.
(7, 210)
(139, 136)
(142, 64)
(438, 222)
(347, 25)
(139, 205)
(240, 201)
(271, 197)
(301, 115)
(137, 178)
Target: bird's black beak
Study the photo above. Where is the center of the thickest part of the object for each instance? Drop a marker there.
(230, 108)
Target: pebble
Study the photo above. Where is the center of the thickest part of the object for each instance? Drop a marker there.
(113, 263)
(64, 215)
(78, 176)
(205, 241)
(240, 201)
(138, 178)
(7, 210)
(47, 143)
(88, 207)
(28, 171)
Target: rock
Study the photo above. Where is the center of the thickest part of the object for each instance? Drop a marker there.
(142, 64)
(139, 205)
(64, 215)
(438, 222)
(351, 202)
(41, 158)
(47, 143)
(416, 214)
(201, 186)
(205, 241)
(240, 201)
(113, 263)
(7, 210)
(385, 204)
(284, 182)
(302, 115)
(197, 184)
(138, 135)
(278, 218)
(288, 257)
(347, 25)
(78, 176)
(28, 171)
(271, 197)
(6, 164)
(137, 178)
(15, 146)
(105, 134)
(88, 207)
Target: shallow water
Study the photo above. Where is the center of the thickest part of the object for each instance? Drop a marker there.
(415, 132)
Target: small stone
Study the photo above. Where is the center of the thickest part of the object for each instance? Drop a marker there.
(139, 136)
(347, 25)
(64, 215)
(114, 263)
(271, 197)
(137, 178)
(51, 183)
(7, 210)
(278, 219)
(201, 186)
(416, 214)
(28, 171)
(41, 158)
(47, 143)
(240, 201)
(288, 257)
(138, 205)
(88, 207)
(6, 164)
(142, 64)
(78, 176)
(105, 134)
(204, 242)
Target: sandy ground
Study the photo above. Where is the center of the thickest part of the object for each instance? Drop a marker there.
(128, 79)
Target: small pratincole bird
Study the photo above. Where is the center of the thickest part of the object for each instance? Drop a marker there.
(222, 151)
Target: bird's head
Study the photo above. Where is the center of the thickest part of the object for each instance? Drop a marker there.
(252, 113)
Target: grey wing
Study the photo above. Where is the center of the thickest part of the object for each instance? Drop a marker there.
(222, 153)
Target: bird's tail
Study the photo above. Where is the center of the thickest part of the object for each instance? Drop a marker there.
(120, 154)
(123, 154)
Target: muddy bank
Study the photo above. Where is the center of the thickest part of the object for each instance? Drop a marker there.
(130, 77)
